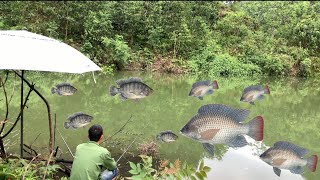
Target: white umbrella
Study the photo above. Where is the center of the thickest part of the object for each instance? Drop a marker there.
(23, 50)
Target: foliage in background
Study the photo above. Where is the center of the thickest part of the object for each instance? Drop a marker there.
(166, 170)
(234, 39)
(23, 169)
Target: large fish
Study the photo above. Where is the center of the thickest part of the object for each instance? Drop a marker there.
(202, 88)
(167, 136)
(132, 88)
(221, 124)
(64, 89)
(77, 120)
(253, 93)
(285, 155)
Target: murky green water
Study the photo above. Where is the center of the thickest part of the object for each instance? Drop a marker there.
(291, 113)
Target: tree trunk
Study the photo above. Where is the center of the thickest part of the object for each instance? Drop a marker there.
(3, 154)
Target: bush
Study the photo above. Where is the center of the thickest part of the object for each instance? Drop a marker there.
(166, 170)
(226, 65)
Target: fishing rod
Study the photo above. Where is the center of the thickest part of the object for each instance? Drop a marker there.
(65, 143)
(109, 137)
(127, 149)
(129, 146)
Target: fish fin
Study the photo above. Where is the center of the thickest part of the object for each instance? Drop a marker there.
(131, 79)
(53, 90)
(167, 131)
(215, 84)
(75, 115)
(134, 79)
(252, 103)
(277, 171)
(200, 97)
(123, 97)
(260, 97)
(209, 134)
(238, 141)
(312, 163)
(66, 125)
(286, 145)
(209, 148)
(256, 126)
(63, 84)
(200, 83)
(252, 88)
(113, 90)
(210, 91)
(238, 115)
(297, 170)
(266, 89)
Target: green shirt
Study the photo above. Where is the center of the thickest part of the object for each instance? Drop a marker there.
(88, 160)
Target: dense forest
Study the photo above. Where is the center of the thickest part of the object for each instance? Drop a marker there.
(211, 38)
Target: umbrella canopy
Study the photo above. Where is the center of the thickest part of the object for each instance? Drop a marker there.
(23, 50)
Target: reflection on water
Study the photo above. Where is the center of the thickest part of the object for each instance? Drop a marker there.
(244, 164)
(291, 113)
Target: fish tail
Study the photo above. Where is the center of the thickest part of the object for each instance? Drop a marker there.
(215, 84)
(113, 90)
(266, 90)
(312, 163)
(53, 90)
(256, 126)
(66, 125)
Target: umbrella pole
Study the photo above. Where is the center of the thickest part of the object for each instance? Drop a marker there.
(21, 110)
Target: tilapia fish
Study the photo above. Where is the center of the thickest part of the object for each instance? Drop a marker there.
(77, 120)
(167, 136)
(132, 88)
(253, 93)
(202, 88)
(64, 89)
(221, 124)
(285, 155)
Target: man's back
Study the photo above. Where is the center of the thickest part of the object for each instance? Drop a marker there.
(88, 160)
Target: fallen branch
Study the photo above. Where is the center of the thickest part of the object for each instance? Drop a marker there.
(29, 147)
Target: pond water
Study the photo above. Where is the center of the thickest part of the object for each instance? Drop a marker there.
(291, 113)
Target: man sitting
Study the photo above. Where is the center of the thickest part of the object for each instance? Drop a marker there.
(91, 159)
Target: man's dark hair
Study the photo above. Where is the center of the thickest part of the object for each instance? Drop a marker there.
(95, 132)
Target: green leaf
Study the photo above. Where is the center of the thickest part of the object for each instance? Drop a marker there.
(132, 165)
(201, 165)
(199, 175)
(132, 171)
(193, 178)
(206, 169)
(204, 174)
(138, 167)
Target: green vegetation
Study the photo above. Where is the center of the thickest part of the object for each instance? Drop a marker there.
(15, 169)
(166, 170)
(239, 39)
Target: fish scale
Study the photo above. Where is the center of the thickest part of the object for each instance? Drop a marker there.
(227, 127)
(221, 124)
(291, 158)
